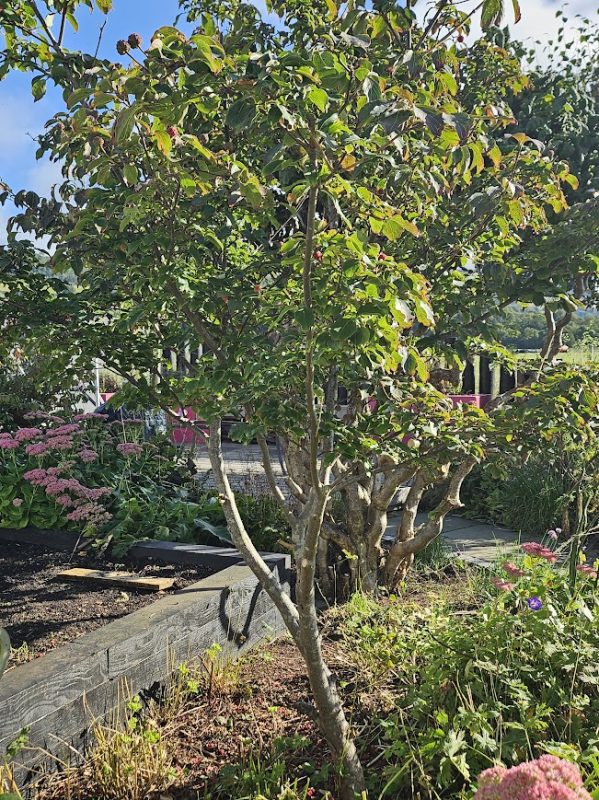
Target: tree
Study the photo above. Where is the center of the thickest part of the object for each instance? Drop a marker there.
(332, 204)
(561, 104)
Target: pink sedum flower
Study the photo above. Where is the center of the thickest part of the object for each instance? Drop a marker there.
(17, 502)
(88, 456)
(504, 586)
(64, 500)
(532, 548)
(5, 435)
(537, 550)
(8, 444)
(586, 569)
(63, 430)
(552, 535)
(513, 570)
(82, 417)
(39, 477)
(547, 778)
(37, 449)
(26, 434)
(60, 443)
(129, 449)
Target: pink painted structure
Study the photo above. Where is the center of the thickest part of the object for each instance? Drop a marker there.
(180, 434)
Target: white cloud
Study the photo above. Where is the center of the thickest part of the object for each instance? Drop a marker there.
(539, 23)
(41, 177)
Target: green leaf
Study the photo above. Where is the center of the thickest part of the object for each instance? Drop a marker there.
(424, 313)
(305, 317)
(38, 88)
(318, 97)
(124, 124)
(204, 45)
(517, 11)
(164, 142)
(130, 174)
(395, 226)
(104, 5)
(241, 114)
(492, 13)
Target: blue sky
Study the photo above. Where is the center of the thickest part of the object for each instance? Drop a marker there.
(23, 119)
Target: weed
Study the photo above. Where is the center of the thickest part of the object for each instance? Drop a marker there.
(221, 673)
(132, 762)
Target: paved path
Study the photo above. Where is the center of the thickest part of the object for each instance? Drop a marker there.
(479, 542)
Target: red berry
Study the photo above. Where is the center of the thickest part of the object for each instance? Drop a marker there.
(461, 39)
(318, 255)
(172, 131)
(383, 256)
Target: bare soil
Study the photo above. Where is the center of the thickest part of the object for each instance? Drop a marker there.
(41, 613)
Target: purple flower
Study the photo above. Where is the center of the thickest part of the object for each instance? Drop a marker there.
(535, 603)
(8, 444)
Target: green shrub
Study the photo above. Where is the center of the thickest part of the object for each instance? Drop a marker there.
(530, 498)
(464, 691)
(102, 479)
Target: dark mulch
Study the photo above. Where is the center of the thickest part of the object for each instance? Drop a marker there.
(41, 613)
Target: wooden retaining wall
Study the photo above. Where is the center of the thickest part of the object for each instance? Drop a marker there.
(58, 695)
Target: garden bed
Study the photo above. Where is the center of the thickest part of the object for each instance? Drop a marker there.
(41, 612)
(57, 697)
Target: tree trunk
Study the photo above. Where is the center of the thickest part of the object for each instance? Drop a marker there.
(331, 716)
(301, 618)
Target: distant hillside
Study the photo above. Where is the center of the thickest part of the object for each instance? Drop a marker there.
(524, 328)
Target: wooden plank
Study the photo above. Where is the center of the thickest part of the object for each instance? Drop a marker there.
(116, 578)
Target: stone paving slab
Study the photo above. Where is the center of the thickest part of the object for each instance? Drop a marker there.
(480, 542)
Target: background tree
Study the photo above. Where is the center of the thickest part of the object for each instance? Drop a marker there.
(333, 204)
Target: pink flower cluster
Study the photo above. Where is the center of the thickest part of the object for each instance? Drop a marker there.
(53, 443)
(504, 586)
(43, 416)
(59, 487)
(129, 449)
(539, 551)
(586, 569)
(8, 443)
(513, 570)
(88, 456)
(64, 430)
(92, 513)
(547, 778)
(26, 434)
(81, 417)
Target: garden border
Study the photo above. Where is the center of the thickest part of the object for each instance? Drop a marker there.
(58, 695)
